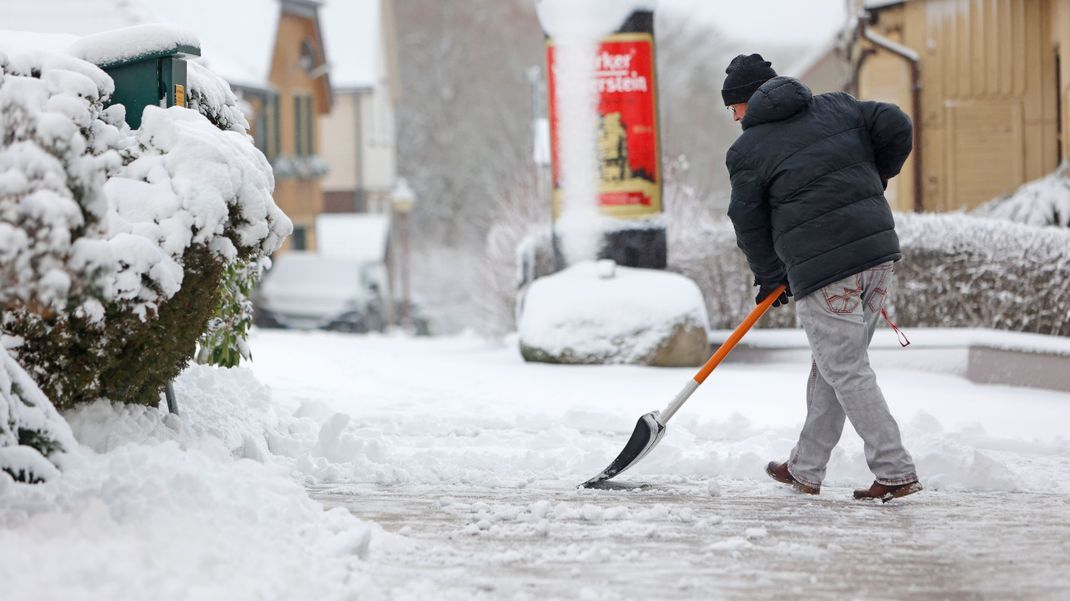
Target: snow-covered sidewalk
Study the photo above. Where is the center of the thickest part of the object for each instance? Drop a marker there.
(473, 456)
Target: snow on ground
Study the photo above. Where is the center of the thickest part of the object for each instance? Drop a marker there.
(449, 469)
(473, 456)
(159, 507)
(460, 410)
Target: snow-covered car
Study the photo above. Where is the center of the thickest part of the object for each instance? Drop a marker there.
(305, 290)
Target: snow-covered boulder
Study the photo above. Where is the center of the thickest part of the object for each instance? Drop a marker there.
(602, 313)
(33, 436)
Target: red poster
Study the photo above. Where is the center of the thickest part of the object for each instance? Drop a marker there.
(628, 153)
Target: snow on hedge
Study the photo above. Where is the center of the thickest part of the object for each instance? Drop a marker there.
(175, 182)
(1045, 201)
(957, 271)
(33, 436)
(58, 147)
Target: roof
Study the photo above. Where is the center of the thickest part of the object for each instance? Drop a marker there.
(877, 4)
(237, 41)
(351, 33)
(357, 236)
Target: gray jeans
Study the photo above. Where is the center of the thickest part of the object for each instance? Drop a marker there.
(839, 320)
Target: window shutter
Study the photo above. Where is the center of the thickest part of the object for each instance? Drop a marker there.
(299, 122)
(308, 125)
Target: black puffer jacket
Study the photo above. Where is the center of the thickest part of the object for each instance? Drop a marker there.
(808, 180)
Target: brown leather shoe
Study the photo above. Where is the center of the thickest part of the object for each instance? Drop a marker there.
(780, 473)
(886, 493)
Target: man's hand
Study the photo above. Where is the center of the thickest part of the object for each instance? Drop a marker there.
(765, 290)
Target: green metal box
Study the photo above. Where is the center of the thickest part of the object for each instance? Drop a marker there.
(157, 79)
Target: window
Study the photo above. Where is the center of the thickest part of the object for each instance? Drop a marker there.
(303, 124)
(276, 129)
(299, 126)
(262, 136)
(307, 57)
(309, 125)
(299, 239)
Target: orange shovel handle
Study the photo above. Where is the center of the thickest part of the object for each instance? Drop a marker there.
(729, 344)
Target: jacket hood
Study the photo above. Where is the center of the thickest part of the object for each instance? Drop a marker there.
(777, 100)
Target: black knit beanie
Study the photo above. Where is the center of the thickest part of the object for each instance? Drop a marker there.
(745, 75)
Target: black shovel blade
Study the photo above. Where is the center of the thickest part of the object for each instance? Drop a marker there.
(648, 433)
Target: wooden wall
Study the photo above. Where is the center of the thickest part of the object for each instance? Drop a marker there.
(989, 98)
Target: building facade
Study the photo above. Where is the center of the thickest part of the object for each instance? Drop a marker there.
(359, 141)
(986, 83)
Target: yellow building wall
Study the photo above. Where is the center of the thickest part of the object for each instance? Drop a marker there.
(887, 77)
(301, 200)
(1060, 36)
(989, 102)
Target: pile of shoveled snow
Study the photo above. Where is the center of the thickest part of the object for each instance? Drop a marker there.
(33, 436)
(162, 507)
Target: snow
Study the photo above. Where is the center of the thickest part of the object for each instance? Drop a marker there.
(589, 19)
(479, 415)
(922, 338)
(892, 45)
(142, 198)
(128, 43)
(578, 226)
(44, 121)
(589, 308)
(575, 30)
(191, 184)
(24, 408)
(163, 507)
(474, 462)
(351, 33)
(361, 238)
(1044, 201)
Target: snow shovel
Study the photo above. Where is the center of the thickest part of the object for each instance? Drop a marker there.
(651, 427)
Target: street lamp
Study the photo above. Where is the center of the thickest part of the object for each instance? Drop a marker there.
(402, 202)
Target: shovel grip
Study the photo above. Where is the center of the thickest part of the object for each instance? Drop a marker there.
(742, 329)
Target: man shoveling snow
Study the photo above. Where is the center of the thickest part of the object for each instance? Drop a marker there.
(808, 179)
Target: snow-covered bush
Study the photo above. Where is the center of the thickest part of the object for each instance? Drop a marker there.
(702, 246)
(114, 241)
(965, 271)
(33, 436)
(224, 344)
(517, 249)
(1045, 201)
(957, 271)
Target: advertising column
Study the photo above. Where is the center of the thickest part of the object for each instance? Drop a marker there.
(628, 152)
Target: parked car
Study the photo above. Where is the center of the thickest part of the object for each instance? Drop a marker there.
(305, 290)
